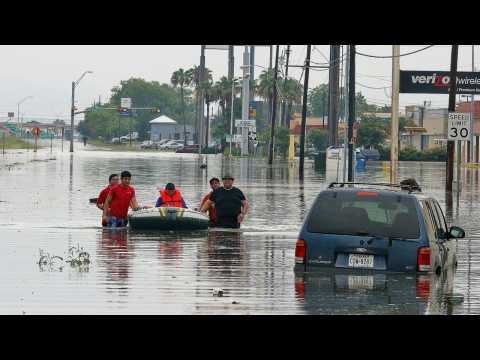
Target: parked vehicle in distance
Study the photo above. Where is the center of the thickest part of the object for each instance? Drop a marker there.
(368, 154)
(147, 144)
(370, 227)
(171, 145)
(189, 149)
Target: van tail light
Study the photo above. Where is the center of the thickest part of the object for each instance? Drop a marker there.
(300, 288)
(300, 252)
(423, 259)
(423, 286)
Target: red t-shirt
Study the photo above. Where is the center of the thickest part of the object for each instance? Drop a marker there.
(212, 212)
(121, 197)
(102, 197)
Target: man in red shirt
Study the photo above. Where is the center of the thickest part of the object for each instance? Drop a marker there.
(212, 214)
(112, 181)
(120, 198)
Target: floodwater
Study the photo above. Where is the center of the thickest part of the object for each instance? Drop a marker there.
(44, 206)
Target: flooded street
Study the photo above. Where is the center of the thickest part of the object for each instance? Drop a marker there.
(45, 205)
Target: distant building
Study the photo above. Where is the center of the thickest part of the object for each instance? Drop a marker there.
(164, 127)
(311, 123)
(429, 129)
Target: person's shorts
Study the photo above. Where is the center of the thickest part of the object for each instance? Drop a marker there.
(229, 223)
(114, 222)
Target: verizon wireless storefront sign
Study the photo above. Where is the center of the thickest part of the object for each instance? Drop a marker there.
(438, 82)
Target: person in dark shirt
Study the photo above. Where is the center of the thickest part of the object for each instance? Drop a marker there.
(230, 204)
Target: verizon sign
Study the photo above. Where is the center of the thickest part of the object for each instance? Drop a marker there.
(438, 82)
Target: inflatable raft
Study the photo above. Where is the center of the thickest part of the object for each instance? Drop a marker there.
(167, 218)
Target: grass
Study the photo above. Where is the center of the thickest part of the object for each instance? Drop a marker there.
(12, 142)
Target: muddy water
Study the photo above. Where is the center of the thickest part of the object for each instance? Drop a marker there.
(44, 205)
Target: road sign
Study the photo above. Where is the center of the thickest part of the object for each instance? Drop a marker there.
(126, 103)
(245, 123)
(459, 126)
(237, 138)
(11, 115)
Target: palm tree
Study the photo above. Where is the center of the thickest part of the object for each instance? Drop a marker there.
(264, 88)
(196, 82)
(182, 79)
(292, 95)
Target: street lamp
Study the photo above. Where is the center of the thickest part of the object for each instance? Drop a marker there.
(72, 113)
(18, 107)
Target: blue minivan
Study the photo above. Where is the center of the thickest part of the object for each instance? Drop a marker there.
(380, 227)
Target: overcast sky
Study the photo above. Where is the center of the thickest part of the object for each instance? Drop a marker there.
(46, 72)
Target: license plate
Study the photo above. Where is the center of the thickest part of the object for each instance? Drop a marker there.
(360, 282)
(360, 261)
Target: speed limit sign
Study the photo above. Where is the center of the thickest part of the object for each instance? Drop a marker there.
(459, 126)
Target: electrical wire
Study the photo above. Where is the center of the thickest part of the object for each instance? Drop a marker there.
(391, 56)
(370, 87)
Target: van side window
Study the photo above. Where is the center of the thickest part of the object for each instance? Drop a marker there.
(441, 218)
(439, 233)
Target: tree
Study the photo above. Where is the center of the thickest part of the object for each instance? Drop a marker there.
(318, 97)
(318, 138)
(223, 94)
(182, 79)
(292, 94)
(151, 94)
(372, 132)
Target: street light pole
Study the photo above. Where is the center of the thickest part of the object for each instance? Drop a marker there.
(72, 116)
(72, 110)
(18, 110)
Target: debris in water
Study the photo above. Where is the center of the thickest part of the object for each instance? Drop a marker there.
(235, 302)
(218, 292)
(77, 256)
(50, 262)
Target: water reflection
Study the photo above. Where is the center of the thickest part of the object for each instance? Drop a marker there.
(113, 256)
(335, 292)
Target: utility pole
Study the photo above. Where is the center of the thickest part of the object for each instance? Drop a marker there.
(269, 112)
(245, 99)
(323, 110)
(231, 73)
(274, 108)
(395, 106)
(201, 101)
(472, 111)
(333, 81)
(351, 110)
(284, 102)
(451, 108)
(252, 69)
(346, 137)
(72, 115)
(304, 112)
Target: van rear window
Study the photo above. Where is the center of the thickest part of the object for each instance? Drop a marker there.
(357, 213)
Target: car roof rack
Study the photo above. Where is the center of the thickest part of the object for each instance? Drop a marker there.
(408, 187)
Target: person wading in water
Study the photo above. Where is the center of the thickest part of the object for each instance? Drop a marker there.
(230, 204)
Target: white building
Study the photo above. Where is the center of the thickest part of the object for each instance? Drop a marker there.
(164, 127)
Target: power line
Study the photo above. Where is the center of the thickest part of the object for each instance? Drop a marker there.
(371, 87)
(390, 57)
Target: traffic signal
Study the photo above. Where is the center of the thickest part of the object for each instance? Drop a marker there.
(155, 110)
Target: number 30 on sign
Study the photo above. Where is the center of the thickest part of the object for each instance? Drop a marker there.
(459, 126)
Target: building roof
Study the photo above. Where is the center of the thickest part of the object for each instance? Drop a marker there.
(163, 120)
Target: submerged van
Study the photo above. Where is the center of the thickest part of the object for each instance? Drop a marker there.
(370, 227)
